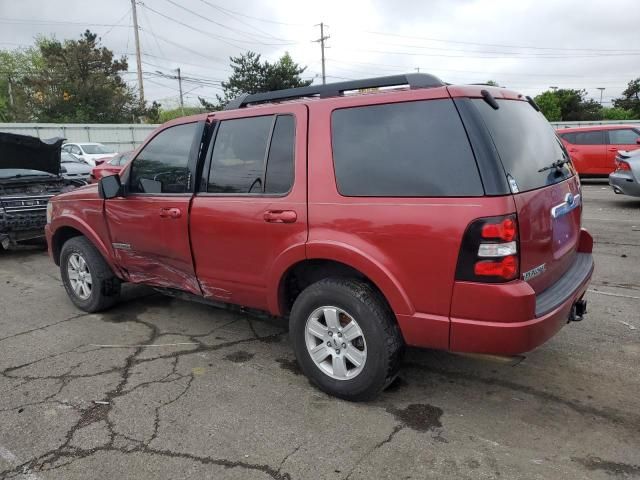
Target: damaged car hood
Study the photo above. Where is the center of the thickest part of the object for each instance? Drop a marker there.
(30, 153)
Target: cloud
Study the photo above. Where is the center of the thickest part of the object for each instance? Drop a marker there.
(526, 45)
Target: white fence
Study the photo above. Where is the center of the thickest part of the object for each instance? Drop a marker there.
(557, 125)
(121, 137)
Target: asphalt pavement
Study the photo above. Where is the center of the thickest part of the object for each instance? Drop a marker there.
(159, 388)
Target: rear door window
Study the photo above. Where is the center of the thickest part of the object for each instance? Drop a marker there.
(595, 137)
(410, 149)
(526, 143)
(253, 155)
(626, 136)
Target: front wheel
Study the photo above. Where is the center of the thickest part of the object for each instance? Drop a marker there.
(87, 278)
(345, 338)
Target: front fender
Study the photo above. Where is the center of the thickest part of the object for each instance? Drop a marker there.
(77, 223)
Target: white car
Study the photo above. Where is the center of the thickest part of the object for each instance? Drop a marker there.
(89, 152)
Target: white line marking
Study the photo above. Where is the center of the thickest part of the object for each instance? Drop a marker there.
(13, 460)
(613, 294)
(141, 346)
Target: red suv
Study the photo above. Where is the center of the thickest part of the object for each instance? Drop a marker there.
(593, 149)
(429, 215)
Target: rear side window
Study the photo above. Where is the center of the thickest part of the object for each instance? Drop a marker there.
(569, 137)
(162, 165)
(526, 143)
(253, 155)
(412, 149)
(623, 137)
(590, 138)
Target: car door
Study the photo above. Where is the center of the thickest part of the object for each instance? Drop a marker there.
(251, 211)
(589, 152)
(149, 225)
(621, 139)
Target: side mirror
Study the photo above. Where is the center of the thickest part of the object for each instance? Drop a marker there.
(110, 187)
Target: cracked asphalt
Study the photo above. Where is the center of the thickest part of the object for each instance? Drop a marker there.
(161, 388)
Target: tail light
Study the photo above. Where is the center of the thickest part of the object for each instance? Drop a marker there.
(489, 251)
(622, 166)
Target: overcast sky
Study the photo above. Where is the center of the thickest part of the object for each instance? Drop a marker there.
(527, 45)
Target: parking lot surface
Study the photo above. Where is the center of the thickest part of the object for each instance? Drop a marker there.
(161, 388)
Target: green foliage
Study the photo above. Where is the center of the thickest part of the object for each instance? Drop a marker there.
(250, 75)
(16, 67)
(630, 99)
(571, 103)
(616, 113)
(492, 83)
(71, 81)
(166, 115)
(549, 105)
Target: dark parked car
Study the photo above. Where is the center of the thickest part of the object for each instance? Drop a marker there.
(430, 215)
(29, 177)
(626, 177)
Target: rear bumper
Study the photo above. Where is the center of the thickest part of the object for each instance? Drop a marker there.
(625, 183)
(553, 308)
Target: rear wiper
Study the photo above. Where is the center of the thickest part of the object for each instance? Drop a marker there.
(557, 164)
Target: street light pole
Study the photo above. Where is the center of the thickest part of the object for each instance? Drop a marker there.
(601, 90)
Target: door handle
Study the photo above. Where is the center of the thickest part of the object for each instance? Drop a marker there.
(170, 212)
(280, 216)
(613, 149)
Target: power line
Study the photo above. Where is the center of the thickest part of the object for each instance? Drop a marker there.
(495, 44)
(253, 18)
(25, 21)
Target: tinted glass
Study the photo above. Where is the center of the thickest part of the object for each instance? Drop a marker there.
(526, 143)
(96, 149)
(590, 138)
(623, 137)
(569, 137)
(162, 165)
(279, 175)
(237, 164)
(412, 149)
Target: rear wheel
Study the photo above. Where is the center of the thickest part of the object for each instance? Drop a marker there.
(345, 338)
(87, 278)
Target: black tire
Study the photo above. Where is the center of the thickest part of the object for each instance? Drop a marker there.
(105, 285)
(383, 339)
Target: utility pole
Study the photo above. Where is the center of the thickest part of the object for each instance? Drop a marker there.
(180, 87)
(321, 41)
(601, 90)
(11, 91)
(138, 55)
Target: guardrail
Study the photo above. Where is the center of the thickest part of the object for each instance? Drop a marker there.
(589, 123)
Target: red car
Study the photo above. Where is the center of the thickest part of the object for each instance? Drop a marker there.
(435, 216)
(109, 166)
(593, 149)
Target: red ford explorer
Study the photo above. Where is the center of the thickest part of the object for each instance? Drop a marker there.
(436, 216)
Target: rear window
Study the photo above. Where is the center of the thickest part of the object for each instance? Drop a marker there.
(411, 149)
(526, 143)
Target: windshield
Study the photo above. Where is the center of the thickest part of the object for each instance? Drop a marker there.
(68, 158)
(526, 143)
(22, 172)
(96, 149)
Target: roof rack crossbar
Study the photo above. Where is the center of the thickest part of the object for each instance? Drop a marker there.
(414, 80)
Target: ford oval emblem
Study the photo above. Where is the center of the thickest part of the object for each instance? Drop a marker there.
(569, 198)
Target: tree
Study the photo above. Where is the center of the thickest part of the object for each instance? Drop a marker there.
(15, 68)
(616, 113)
(492, 83)
(549, 105)
(76, 81)
(250, 75)
(630, 99)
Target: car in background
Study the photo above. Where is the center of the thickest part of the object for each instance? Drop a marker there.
(593, 149)
(110, 167)
(626, 177)
(74, 169)
(90, 152)
(29, 178)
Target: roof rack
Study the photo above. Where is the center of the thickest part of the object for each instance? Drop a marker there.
(414, 80)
